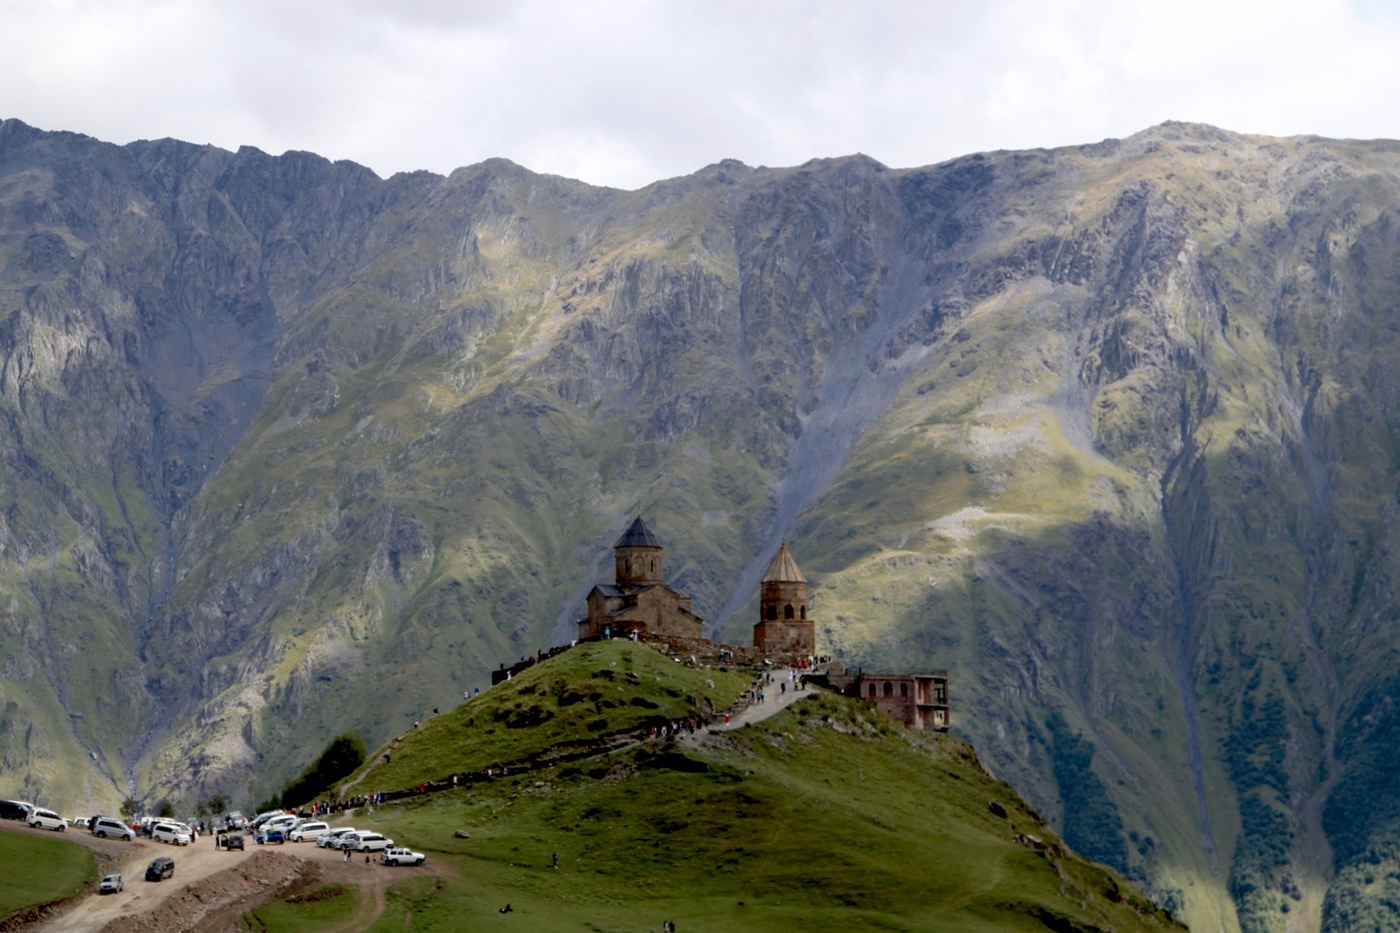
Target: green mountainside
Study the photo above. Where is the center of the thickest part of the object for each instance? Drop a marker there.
(826, 816)
(1109, 432)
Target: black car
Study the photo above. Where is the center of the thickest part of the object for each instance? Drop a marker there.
(232, 842)
(13, 810)
(161, 869)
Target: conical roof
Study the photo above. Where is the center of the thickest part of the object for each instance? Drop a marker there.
(638, 535)
(784, 568)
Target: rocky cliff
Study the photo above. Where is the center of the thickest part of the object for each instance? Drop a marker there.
(1111, 432)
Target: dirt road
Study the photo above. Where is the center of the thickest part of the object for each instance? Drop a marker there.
(212, 888)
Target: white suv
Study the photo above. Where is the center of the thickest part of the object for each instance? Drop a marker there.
(172, 833)
(39, 818)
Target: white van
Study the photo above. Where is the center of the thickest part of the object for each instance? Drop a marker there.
(284, 822)
(309, 829)
(39, 818)
(172, 833)
(368, 842)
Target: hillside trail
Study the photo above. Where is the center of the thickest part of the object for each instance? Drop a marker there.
(775, 700)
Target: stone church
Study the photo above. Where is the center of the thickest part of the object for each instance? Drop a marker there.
(639, 602)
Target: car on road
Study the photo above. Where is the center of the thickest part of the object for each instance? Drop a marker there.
(39, 818)
(328, 839)
(105, 826)
(308, 830)
(160, 869)
(110, 884)
(400, 855)
(231, 842)
(172, 833)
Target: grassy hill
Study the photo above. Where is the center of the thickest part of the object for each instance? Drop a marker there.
(40, 870)
(826, 816)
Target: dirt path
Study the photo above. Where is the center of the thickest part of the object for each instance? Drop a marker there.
(212, 888)
(129, 859)
(775, 699)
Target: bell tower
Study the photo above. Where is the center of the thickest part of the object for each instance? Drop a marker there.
(784, 627)
(637, 556)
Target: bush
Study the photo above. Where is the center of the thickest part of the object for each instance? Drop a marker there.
(339, 760)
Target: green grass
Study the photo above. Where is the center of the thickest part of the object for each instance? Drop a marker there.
(827, 816)
(592, 690)
(323, 908)
(39, 870)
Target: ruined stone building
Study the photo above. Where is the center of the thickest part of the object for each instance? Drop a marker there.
(919, 700)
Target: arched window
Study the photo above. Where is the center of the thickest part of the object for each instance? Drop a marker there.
(787, 612)
(803, 611)
(904, 690)
(872, 690)
(889, 689)
(772, 613)
(653, 566)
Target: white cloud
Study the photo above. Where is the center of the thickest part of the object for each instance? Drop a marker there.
(623, 92)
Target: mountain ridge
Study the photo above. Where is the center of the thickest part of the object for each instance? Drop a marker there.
(1106, 430)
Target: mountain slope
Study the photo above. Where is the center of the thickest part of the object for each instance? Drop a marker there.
(1106, 431)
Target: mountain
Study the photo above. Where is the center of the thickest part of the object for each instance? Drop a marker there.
(1109, 432)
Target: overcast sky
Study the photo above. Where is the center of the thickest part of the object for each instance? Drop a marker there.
(624, 93)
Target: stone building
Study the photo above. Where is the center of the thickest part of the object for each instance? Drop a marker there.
(784, 629)
(920, 700)
(638, 601)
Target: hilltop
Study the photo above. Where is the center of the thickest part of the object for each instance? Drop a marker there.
(828, 815)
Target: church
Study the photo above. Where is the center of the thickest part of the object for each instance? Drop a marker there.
(639, 602)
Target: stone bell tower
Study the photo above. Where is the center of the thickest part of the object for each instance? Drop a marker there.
(784, 628)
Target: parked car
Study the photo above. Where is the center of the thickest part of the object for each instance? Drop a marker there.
(39, 818)
(80, 822)
(368, 842)
(276, 837)
(402, 856)
(110, 884)
(235, 820)
(231, 842)
(328, 839)
(14, 809)
(173, 833)
(308, 830)
(262, 818)
(105, 826)
(160, 869)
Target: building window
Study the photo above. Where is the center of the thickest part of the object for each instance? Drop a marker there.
(904, 690)
(803, 612)
(653, 566)
(872, 691)
(772, 613)
(889, 689)
(787, 612)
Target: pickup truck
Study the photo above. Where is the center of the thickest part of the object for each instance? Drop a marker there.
(402, 856)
